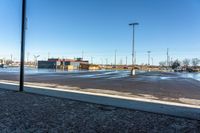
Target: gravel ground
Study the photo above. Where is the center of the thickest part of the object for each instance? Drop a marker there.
(24, 113)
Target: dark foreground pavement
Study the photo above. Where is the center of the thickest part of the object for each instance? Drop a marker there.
(22, 112)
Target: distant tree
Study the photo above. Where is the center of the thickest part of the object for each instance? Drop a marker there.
(171, 62)
(162, 63)
(186, 62)
(8, 62)
(195, 62)
(176, 64)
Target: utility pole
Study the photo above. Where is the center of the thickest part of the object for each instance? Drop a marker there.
(135, 58)
(133, 47)
(167, 56)
(106, 61)
(36, 59)
(23, 33)
(82, 54)
(63, 63)
(27, 56)
(115, 58)
(152, 61)
(91, 60)
(48, 55)
(121, 61)
(126, 61)
(11, 57)
(171, 62)
(149, 52)
(101, 61)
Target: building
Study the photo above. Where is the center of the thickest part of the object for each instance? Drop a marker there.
(90, 67)
(56, 63)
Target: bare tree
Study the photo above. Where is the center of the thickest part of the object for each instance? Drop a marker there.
(186, 62)
(176, 64)
(1, 61)
(195, 62)
(8, 62)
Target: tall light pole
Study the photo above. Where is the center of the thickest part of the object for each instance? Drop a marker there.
(115, 58)
(11, 58)
(36, 59)
(23, 30)
(27, 57)
(168, 58)
(106, 61)
(82, 54)
(149, 52)
(126, 60)
(133, 47)
(48, 55)
(91, 60)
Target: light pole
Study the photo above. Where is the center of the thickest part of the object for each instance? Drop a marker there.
(133, 47)
(48, 55)
(23, 32)
(91, 60)
(149, 52)
(115, 57)
(36, 60)
(82, 54)
(126, 60)
(106, 61)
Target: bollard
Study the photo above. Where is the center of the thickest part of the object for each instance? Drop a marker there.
(132, 72)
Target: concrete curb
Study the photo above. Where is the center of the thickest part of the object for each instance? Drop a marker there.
(168, 108)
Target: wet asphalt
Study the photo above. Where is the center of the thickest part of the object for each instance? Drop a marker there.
(165, 86)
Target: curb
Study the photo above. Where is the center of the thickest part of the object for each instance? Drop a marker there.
(154, 106)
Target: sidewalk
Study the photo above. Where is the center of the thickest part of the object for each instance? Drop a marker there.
(22, 112)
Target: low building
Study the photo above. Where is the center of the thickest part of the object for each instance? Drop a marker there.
(56, 63)
(48, 64)
(90, 67)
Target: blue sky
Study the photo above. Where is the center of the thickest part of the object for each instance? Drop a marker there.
(65, 28)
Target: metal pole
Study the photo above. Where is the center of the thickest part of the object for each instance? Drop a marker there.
(168, 58)
(148, 57)
(135, 58)
(133, 41)
(82, 54)
(115, 58)
(126, 60)
(23, 28)
(91, 60)
(48, 55)
(133, 47)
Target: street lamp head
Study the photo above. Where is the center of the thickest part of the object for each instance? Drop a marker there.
(133, 24)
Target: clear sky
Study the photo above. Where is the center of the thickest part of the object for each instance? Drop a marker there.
(65, 28)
